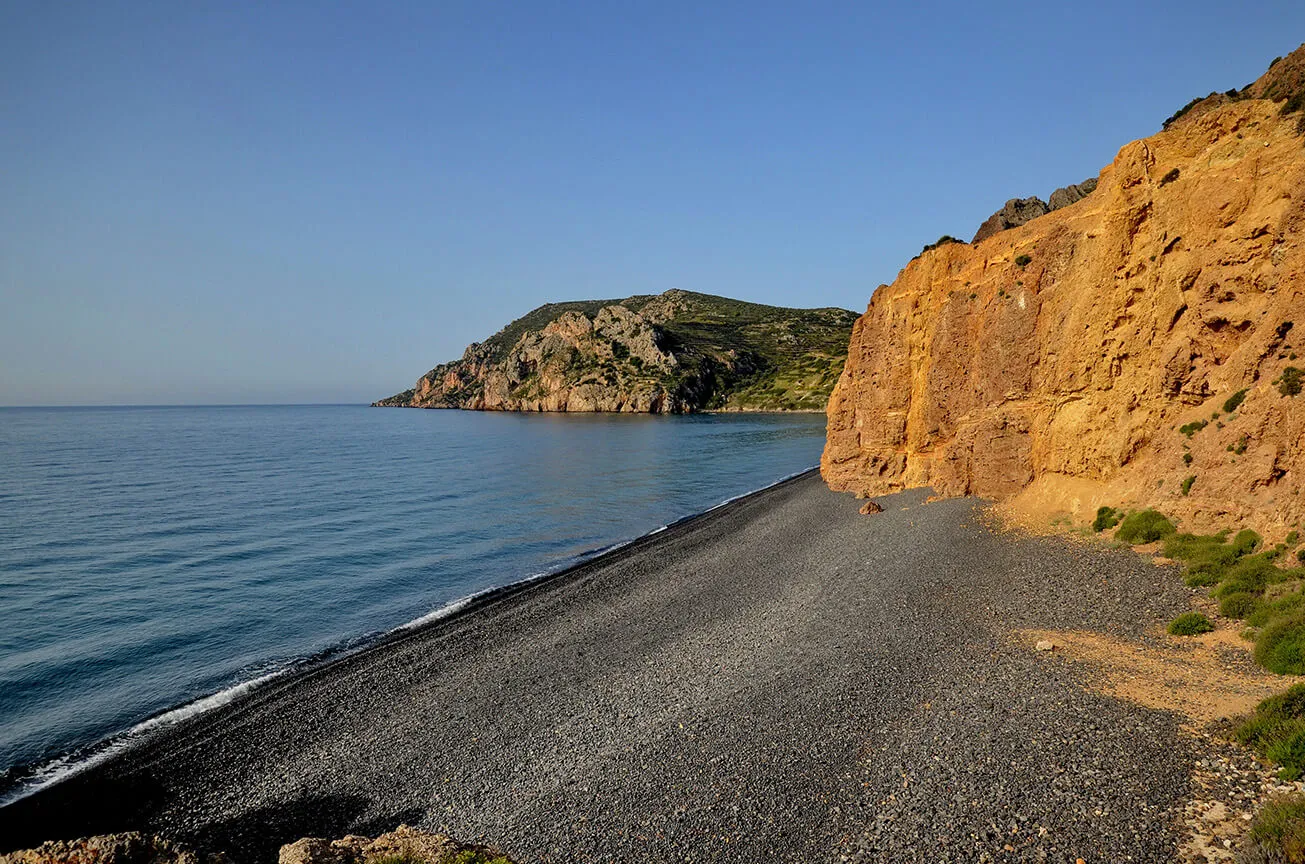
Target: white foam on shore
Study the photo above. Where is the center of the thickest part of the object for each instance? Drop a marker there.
(68, 765)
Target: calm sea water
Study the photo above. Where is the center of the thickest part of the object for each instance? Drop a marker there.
(151, 557)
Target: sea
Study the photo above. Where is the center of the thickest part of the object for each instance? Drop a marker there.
(156, 562)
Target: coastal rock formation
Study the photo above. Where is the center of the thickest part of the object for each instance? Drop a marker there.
(1016, 212)
(1141, 346)
(672, 353)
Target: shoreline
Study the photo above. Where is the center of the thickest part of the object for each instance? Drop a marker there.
(749, 685)
(33, 778)
(612, 413)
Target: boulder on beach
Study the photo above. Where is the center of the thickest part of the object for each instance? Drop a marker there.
(403, 844)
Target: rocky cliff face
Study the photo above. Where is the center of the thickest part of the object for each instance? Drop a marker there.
(1089, 355)
(672, 353)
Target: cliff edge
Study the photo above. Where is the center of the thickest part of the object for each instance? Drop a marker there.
(1140, 346)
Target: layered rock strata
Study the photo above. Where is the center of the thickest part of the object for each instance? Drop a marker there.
(1095, 354)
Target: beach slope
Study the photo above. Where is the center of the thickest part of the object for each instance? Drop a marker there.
(781, 679)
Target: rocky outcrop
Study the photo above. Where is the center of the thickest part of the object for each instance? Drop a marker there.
(1072, 194)
(402, 846)
(673, 353)
(1090, 356)
(129, 848)
(1016, 212)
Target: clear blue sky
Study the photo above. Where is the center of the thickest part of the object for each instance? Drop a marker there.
(303, 202)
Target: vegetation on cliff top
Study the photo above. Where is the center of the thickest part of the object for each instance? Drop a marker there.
(722, 354)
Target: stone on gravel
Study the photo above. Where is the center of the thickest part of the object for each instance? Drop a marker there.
(870, 508)
(1045, 645)
(405, 843)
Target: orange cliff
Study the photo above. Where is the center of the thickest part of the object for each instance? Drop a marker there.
(1059, 359)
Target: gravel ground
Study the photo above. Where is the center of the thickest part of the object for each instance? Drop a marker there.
(781, 680)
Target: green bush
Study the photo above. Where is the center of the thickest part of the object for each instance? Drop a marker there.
(469, 856)
(1187, 546)
(1278, 829)
(1107, 517)
(1289, 753)
(1292, 539)
(1246, 542)
(1022, 260)
(1233, 402)
(944, 240)
(1144, 526)
(1238, 605)
(1190, 429)
(1170, 177)
(1187, 458)
(1251, 575)
(1300, 556)
(1190, 624)
(1187, 485)
(1290, 382)
(1280, 647)
(1203, 575)
(1277, 608)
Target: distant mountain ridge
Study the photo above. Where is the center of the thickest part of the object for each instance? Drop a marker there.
(671, 353)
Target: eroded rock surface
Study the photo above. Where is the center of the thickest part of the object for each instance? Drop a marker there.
(128, 848)
(1066, 354)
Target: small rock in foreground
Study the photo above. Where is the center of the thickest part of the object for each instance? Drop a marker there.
(870, 508)
(403, 844)
(129, 848)
(406, 845)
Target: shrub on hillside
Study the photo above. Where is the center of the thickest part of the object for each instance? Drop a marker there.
(1278, 831)
(1290, 383)
(1280, 647)
(1170, 177)
(1022, 260)
(1238, 605)
(1279, 607)
(1107, 517)
(1251, 574)
(1187, 485)
(1246, 542)
(1190, 624)
(1144, 526)
(1234, 401)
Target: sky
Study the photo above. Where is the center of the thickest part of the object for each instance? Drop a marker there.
(317, 202)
